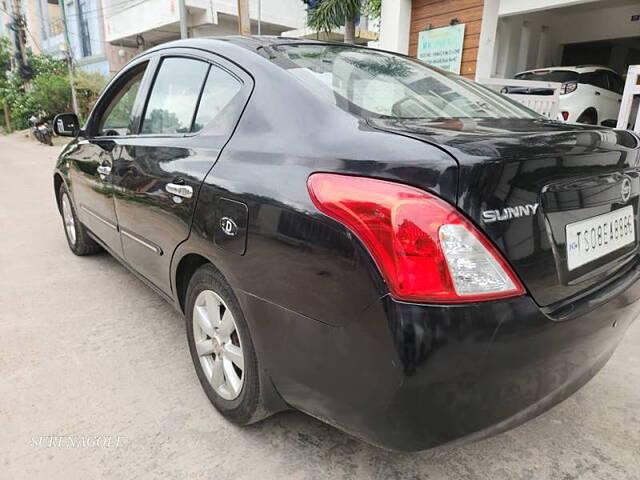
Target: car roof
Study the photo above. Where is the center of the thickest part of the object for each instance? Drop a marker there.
(247, 42)
(257, 41)
(573, 68)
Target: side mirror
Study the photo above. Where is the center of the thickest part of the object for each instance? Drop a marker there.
(66, 125)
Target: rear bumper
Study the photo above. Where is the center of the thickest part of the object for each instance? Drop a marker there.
(475, 385)
(411, 377)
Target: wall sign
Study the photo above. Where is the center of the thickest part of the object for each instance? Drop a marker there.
(442, 47)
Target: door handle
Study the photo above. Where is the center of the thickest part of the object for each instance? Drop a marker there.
(104, 170)
(184, 191)
(598, 93)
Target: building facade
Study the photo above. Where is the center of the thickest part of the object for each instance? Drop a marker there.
(45, 23)
(141, 24)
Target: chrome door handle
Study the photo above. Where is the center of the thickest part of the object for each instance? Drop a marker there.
(104, 170)
(184, 191)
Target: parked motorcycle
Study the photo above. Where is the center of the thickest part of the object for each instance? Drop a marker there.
(41, 130)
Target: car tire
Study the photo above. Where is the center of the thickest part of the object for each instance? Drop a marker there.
(588, 118)
(78, 239)
(216, 327)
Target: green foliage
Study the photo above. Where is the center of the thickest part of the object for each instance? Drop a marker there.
(374, 7)
(46, 64)
(331, 14)
(161, 120)
(5, 60)
(21, 104)
(120, 116)
(49, 92)
(389, 66)
(88, 88)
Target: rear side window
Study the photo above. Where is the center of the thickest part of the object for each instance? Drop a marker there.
(562, 76)
(174, 96)
(218, 91)
(597, 79)
(616, 84)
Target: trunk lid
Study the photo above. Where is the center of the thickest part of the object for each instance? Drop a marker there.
(528, 184)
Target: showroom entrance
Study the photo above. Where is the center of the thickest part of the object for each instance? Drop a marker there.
(547, 33)
(504, 37)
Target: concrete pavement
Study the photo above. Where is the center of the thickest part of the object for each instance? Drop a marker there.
(87, 350)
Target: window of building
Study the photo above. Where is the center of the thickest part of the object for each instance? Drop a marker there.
(83, 28)
(51, 18)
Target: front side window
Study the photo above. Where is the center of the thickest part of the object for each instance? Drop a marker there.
(174, 96)
(380, 84)
(117, 116)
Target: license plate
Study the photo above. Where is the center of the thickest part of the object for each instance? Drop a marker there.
(595, 237)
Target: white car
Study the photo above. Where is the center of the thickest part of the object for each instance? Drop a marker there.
(589, 94)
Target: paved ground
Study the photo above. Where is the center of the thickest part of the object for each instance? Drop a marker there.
(86, 349)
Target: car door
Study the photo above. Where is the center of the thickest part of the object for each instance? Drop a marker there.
(192, 107)
(92, 159)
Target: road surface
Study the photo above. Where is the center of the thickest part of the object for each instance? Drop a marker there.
(88, 351)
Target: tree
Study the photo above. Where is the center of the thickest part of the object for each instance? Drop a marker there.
(325, 15)
(50, 89)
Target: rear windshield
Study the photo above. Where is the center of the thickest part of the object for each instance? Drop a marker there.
(561, 76)
(379, 84)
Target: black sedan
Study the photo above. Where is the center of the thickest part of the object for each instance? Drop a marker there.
(386, 246)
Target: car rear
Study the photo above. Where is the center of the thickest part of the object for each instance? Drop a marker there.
(577, 91)
(560, 204)
(499, 304)
(537, 304)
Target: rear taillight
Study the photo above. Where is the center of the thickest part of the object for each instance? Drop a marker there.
(425, 249)
(568, 87)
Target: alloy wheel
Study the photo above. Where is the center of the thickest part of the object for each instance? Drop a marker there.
(218, 344)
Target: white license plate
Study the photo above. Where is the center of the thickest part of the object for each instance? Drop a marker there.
(595, 237)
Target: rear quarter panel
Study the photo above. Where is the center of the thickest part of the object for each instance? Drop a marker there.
(296, 257)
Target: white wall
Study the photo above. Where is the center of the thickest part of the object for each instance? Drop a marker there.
(395, 26)
(289, 13)
(509, 45)
(487, 58)
(514, 7)
(587, 25)
(124, 21)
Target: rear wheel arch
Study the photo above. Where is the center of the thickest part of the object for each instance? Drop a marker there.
(186, 268)
(270, 399)
(589, 112)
